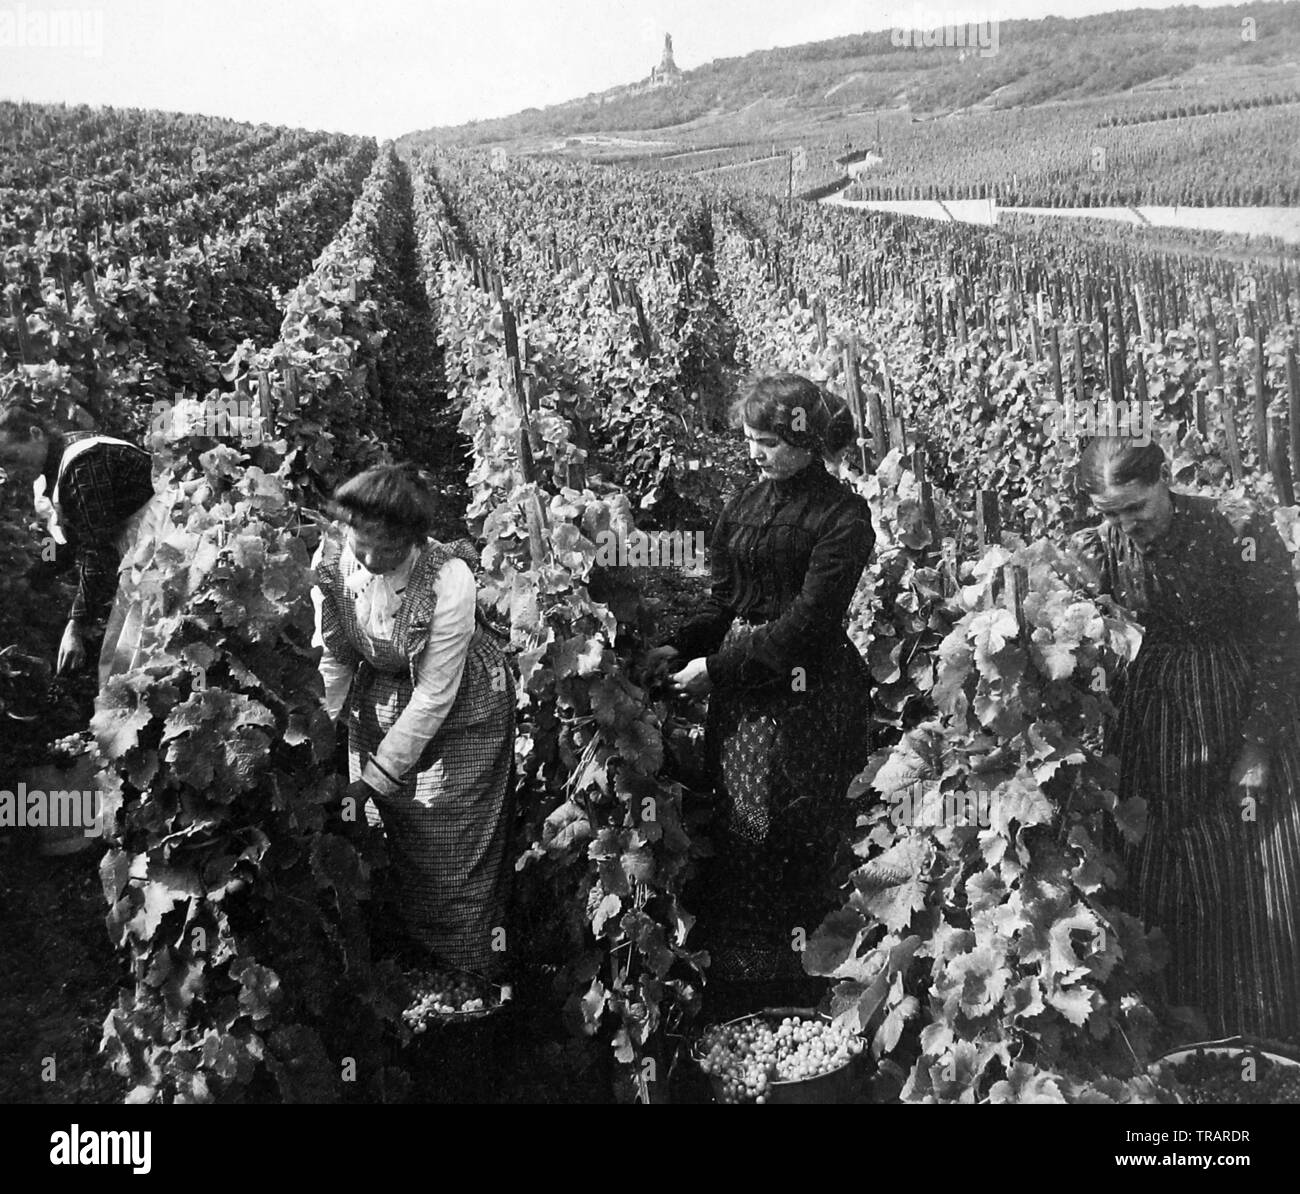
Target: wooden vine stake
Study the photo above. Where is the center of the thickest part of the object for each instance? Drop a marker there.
(917, 464)
(898, 433)
(1058, 383)
(1293, 412)
(988, 522)
(1198, 402)
(1015, 581)
(647, 340)
(1283, 477)
(1259, 404)
(20, 329)
(889, 392)
(1080, 388)
(1221, 399)
(853, 381)
(264, 405)
(1144, 323)
(515, 384)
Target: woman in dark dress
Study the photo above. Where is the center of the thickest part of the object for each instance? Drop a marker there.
(789, 708)
(1208, 733)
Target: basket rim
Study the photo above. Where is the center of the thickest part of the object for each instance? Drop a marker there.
(772, 1013)
(504, 996)
(1228, 1047)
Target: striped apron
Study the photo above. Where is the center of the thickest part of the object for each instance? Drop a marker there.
(448, 826)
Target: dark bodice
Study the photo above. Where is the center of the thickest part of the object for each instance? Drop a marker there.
(786, 555)
(1217, 576)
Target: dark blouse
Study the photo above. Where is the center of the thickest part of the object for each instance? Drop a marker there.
(1217, 575)
(787, 555)
(99, 491)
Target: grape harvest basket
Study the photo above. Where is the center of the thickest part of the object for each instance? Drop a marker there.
(443, 997)
(1278, 1076)
(833, 1085)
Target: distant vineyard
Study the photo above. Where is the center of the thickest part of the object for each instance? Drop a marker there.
(1048, 158)
(1198, 150)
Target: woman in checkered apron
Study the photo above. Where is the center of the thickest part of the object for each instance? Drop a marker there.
(429, 704)
(790, 707)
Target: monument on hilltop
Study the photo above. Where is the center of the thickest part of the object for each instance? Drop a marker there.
(666, 74)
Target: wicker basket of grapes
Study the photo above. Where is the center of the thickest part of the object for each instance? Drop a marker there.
(70, 781)
(445, 995)
(780, 1055)
(1233, 1070)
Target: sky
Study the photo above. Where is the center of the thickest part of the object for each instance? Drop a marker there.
(386, 67)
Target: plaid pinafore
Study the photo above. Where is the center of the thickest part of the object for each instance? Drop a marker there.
(449, 823)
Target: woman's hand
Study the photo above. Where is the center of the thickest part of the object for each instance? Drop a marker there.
(693, 679)
(359, 791)
(1249, 775)
(72, 651)
(656, 662)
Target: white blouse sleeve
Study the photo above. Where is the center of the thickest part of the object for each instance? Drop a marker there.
(336, 674)
(437, 680)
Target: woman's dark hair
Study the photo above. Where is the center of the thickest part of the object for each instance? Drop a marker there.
(399, 496)
(1109, 460)
(800, 412)
(18, 420)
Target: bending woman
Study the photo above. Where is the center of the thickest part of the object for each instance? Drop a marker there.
(93, 490)
(1208, 733)
(789, 712)
(430, 712)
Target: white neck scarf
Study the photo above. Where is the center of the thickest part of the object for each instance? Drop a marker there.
(378, 596)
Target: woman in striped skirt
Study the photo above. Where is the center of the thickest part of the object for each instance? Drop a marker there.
(430, 711)
(1208, 733)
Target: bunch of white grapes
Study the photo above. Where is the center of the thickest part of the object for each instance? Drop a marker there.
(70, 746)
(444, 993)
(748, 1057)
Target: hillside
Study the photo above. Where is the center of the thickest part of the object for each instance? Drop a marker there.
(1144, 56)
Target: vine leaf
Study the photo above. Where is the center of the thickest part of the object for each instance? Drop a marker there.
(893, 886)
